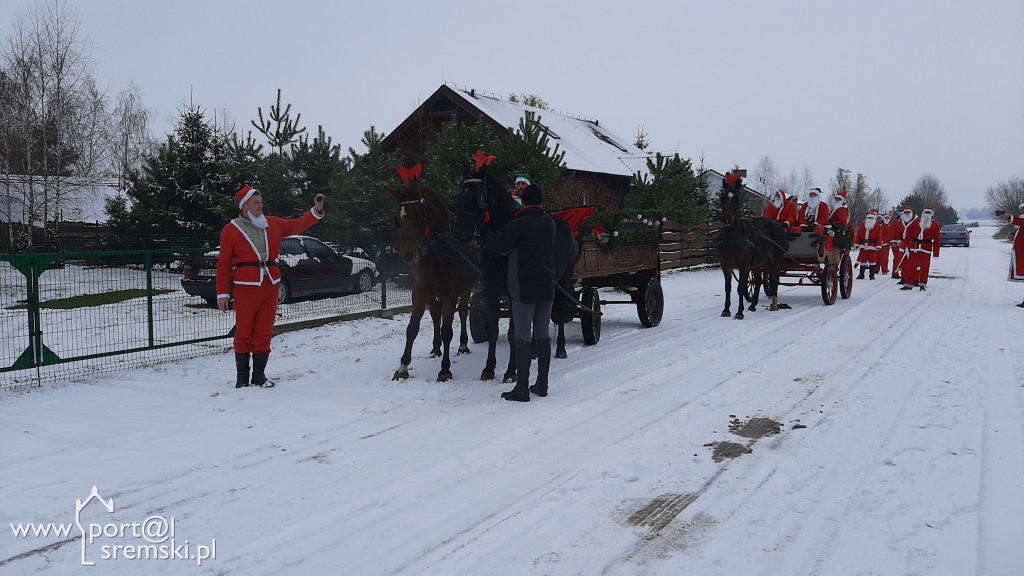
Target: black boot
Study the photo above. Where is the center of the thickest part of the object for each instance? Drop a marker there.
(543, 364)
(259, 364)
(861, 275)
(871, 273)
(242, 367)
(521, 393)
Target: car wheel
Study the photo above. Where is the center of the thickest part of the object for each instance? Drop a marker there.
(365, 282)
(284, 294)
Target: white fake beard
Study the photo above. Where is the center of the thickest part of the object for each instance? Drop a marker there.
(812, 204)
(869, 224)
(259, 221)
(777, 202)
(926, 220)
(837, 204)
(905, 218)
(886, 219)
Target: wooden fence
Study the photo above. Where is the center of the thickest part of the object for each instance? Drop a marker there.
(692, 245)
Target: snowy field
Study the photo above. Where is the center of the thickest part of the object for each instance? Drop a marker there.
(883, 435)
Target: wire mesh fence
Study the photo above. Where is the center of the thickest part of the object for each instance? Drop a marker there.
(68, 315)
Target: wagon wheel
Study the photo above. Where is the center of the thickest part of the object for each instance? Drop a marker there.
(845, 276)
(478, 317)
(829, 284)
(753, 284)
(650, 303)
(591, 323)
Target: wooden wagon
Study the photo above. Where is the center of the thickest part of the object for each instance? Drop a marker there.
(814, 261)
(630, 262)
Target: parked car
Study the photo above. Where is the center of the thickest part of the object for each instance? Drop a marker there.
(954, 235)
(309, 267)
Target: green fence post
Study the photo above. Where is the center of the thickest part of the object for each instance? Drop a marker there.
(385, 274)
(149, 296)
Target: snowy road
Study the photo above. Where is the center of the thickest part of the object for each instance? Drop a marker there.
(881, 435)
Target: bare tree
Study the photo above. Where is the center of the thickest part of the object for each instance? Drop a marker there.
(806, 182)
(929, 189)
(1006, 196)
(131, 138)
(767, 175)
(57, 147)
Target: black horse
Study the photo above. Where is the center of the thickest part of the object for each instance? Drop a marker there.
(442, 273)
(749, 246)
(484, 202)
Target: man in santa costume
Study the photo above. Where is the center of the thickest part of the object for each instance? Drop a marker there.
(922, 242)
(814, 213)
(869, 242)
(840, 215)
(781, 210)
(884, 236)
(898, 232)
(1017, 254)
(249, 246)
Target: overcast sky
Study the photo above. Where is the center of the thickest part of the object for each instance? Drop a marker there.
(890, 89)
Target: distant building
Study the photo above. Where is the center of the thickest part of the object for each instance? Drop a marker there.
(754, 201)
(591, 149)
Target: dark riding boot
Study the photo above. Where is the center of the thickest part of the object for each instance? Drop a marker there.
(861, 275)
(543, 364)
(242, 367)
(259, 364)
(871, 273)
(521, 393)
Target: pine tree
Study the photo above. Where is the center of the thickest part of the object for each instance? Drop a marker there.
(672, 190)
(279, 128)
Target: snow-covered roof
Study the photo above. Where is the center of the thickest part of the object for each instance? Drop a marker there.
(588, 145)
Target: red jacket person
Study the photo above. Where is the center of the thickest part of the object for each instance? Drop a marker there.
(921, 242)
(814, 213)
(1017, 254)
(869, 242)
(247, 265)
(781, 210)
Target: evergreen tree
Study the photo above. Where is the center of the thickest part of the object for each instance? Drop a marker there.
(361, 182)
(279, 128)
(672, 190)
(180, 189)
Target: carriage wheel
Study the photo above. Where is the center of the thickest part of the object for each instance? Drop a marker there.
(650, 306)
(591, 323)
(478, 317)
(845, 276)
(753, 284)
(829, 284)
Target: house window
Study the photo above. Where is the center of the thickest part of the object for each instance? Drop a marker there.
(605, 137)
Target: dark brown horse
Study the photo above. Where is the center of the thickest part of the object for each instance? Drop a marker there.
(749, 246)
(442, 273)
(484, 202)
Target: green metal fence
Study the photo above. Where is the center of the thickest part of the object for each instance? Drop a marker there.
(69, 315)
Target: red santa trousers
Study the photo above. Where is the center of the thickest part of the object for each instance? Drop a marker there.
(255, 309)
(916, 267)
(867, 255)
(883, 259)
(899, 261)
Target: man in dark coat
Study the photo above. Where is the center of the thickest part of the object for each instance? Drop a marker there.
(529, 242)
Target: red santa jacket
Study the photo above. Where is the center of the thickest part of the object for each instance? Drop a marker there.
(812, 220)
(786, 216)
(897, 230)
(884, 231)
(869, 239)
(840, 217)
(917, 239)
(236, 248)
(1017, 255)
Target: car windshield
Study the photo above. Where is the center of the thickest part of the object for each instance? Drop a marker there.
(953, 228)
(291, 246)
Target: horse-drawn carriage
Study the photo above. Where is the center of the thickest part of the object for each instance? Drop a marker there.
(630, 264)
(813, 260)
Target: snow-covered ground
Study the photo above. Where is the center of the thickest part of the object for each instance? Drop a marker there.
(882, 435)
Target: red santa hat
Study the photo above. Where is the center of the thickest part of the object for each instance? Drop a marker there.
(244, 194)
(872, 215)
(841, 194)
(907, 210)
(928, 211)
(814, 192)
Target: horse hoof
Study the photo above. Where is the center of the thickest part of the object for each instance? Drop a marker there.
(401, 375)
(435, 354)
(444, 376)
(773, 308)
(464, 350)
(726, 313)
(561, 355)
(487, 375)
(753, 308)
(509, 378)
(739, 316)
